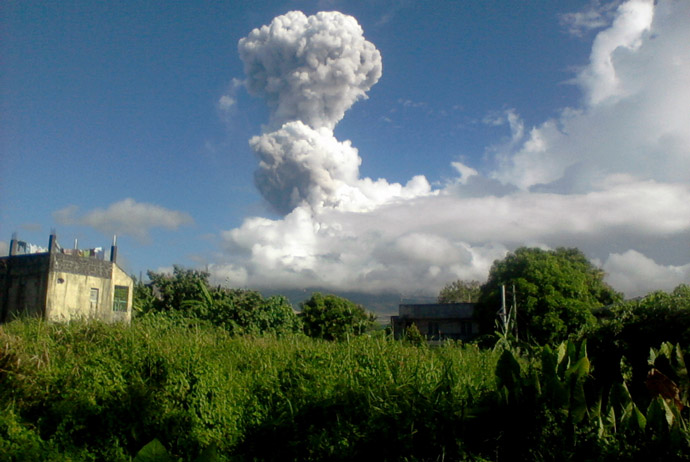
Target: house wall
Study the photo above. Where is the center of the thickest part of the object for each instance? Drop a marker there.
(437, 321)
(69, 296)
(437, 310)
(23, 285)
(61, 287)
(71, 283)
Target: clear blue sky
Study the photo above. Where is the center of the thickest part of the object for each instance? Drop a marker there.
(524, 123)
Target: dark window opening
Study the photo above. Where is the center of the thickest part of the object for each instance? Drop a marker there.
(120, 298)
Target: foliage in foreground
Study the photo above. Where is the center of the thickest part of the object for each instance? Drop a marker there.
(626, 331)
(173, 388)
(103, 392)
(550, 411)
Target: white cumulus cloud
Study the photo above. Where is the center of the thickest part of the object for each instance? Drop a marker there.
(634, 120)
(635, 274)
(126, 217)
(596, 16)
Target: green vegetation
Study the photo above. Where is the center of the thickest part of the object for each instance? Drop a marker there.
(334, 318)
(166, 390)
(213, 374)
(460, 292)
(103, 392)
(186, 295)
(556, 291)
(630, 329)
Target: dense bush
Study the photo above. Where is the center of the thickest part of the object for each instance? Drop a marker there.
(334, 318)
(186, 294)
(103, 392)
(555, 291)
(171, 387)
(629, 329)
(546, 409)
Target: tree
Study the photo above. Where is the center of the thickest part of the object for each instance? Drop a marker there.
(555, 292)
(187, 293)
(460, 292)
(173, 289)
(630, 329)
(241, 311)
(334, 318)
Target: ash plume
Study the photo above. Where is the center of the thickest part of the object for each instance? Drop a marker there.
(310, 70)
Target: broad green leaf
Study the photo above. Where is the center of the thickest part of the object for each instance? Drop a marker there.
(153, 452)
(659, 416)
(579, 370)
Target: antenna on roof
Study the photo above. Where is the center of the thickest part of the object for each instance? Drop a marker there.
(52, 241)
(13, 245)
(113, 250)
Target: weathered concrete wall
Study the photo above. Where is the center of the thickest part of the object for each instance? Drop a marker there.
(23, 285)
(81, 265)
(69, 296)
(70, 285)
(62, 287)
(72, 282)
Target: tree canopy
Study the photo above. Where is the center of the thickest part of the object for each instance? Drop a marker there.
(555, 291)
(460, 292)
(186, 293)
(170, 290)
(334, 318)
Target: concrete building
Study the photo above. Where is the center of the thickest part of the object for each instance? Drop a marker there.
(437, 321)
(61, 284)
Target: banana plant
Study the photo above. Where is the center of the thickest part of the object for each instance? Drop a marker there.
(558, 384)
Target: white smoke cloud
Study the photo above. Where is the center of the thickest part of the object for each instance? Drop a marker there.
(126, 217)
(426, 242)
(300, 163)
(610, 176)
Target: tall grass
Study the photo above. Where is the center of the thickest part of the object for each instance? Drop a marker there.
(91, 391)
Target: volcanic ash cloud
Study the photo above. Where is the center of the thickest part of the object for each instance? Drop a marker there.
(311, 70)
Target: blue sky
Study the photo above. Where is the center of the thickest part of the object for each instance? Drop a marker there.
(534, 123)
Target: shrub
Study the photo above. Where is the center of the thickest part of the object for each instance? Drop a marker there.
(334, 318)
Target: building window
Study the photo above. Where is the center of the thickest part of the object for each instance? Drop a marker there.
(93, 298)
(120, 298)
